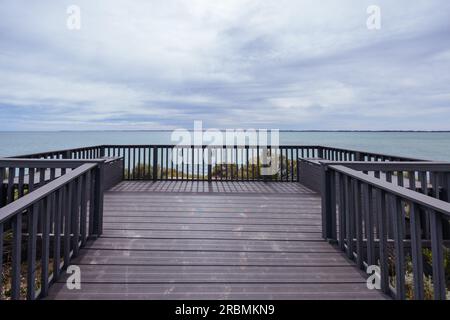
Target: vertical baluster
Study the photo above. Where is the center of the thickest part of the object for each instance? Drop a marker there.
(423, 182)
(182, 163)
(75, 223)
(149, 162)
(439, 284)
(135, 170)
(252, 163)
(57, 233)
(91, 218)
(226, 161)
(287, 165)
(187, 155)
(140, 168)
(1, 256)
(383, 243)
(435, 184)
(45, 259)
(368, 210)
(246, 148)
(198, 163)
(52, 174)
(242, 163)
(342, 209)
(162, 163)
(129, 163)
(349, 215)
(176, 163)
(209, 151)
(214, 162)
(167, 162)
(193, 162)
(144, 163)
(400, 179)
(52, 212)
(67, 222)
(412, 180)
(416, 251)
(377, 175)
(425, 218)
(16, 256)
(358, 224)
(155, 163)
(446, 187)
(397, 211)
(31, 250)
(2, 191)
(42, 176)
(202, 171)
(292, 164)
(333, 201)
(84, 181)
(257, 162)
(10, 187)
(445, 196)
(20, 188)
(237, 164)
(31, 180)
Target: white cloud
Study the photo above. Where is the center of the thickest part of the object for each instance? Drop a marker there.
(180, 60)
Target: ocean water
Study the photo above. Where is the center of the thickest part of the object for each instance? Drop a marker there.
(423, 145)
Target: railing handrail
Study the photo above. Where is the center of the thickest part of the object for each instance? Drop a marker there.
(31, 155)
(407, 194)
(371, 153)
(217, 146)
(35, 196)
(432, 166)
(47, 163)
(207, 145)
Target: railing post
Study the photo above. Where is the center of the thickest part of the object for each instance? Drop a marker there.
(209, 165)
(320, 152)
(328, 190)
(98, 199)
(102, 151)
(67, 154)
(445, 196)
(155, 163)
(359, 156)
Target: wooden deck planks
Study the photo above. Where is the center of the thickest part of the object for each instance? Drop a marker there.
(224, 240)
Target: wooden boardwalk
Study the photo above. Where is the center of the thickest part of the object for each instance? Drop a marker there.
(222, 240)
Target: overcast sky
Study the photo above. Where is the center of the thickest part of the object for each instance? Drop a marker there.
(287, 64)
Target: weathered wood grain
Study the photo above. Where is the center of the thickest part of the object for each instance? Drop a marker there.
(223, 240)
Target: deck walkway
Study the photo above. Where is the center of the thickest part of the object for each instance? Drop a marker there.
(224, 240)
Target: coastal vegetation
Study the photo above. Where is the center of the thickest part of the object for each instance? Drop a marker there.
(283, 170)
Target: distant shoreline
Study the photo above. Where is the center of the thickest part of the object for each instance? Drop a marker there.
(168, 130)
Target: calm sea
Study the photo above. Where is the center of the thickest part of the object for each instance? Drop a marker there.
(425, 145)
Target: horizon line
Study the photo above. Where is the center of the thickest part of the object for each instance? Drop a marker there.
(204, 130)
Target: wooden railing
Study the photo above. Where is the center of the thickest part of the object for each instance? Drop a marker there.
(378, 221)
(210, 163)
(339, 154)
(45, 221)
(93, 152)
(19, 176)
(380, 209)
